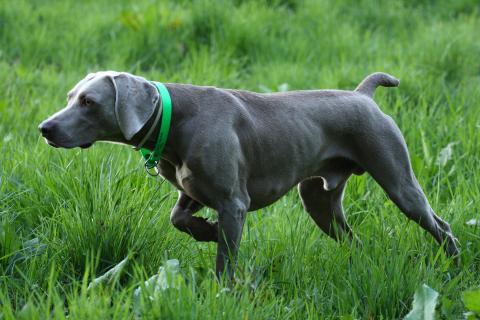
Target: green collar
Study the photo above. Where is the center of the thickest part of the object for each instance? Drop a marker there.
(165, 108)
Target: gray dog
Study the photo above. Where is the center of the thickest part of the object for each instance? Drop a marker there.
(237, 151)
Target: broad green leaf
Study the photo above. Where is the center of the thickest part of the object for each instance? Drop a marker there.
(445, 154)
(109, 276)
(31, 248)
(471, 299)
(473, 222)
(283, 87)
(168, 276)
(424, 303)
(27, 312)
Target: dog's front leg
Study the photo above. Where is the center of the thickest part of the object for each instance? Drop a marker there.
(231, 218)
(182, 218)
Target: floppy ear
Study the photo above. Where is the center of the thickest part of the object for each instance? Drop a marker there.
(135, 101)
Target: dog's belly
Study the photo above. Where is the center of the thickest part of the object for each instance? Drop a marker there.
(264, 192)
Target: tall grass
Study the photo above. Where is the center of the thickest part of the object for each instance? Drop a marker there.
(88, 210)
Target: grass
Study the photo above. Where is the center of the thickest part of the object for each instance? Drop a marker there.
(88, 210)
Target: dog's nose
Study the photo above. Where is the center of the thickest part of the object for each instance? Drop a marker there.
(46, 127)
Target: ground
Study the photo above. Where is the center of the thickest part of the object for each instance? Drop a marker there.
(67, 216)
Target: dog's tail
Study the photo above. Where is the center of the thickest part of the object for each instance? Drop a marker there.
(371, 82)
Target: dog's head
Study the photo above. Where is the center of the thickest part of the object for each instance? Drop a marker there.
(104, 106)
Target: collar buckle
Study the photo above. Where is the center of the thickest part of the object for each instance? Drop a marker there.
(151, 170)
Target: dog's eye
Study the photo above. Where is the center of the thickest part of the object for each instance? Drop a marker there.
(85, 102)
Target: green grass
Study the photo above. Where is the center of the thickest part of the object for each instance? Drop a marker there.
(91, 209)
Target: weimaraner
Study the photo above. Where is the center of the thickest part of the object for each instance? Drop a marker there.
(237, 151)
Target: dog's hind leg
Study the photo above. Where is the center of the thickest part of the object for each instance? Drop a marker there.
(325, 207)
(182, 218)
(388, 162)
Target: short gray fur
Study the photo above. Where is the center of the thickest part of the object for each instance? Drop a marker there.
(237, 151)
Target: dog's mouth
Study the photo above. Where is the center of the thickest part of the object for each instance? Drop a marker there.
(51, 143)
(86, 145)
(55, 145)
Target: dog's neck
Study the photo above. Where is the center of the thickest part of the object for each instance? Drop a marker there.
(152, 139)
(168, 152)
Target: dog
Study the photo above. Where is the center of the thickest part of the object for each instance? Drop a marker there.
(237, 151)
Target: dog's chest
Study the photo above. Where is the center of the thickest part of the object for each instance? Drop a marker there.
(182, 174)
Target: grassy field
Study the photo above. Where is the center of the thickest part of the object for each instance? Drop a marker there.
(67, 216)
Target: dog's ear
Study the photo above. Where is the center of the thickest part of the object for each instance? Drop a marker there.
(135, 101)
